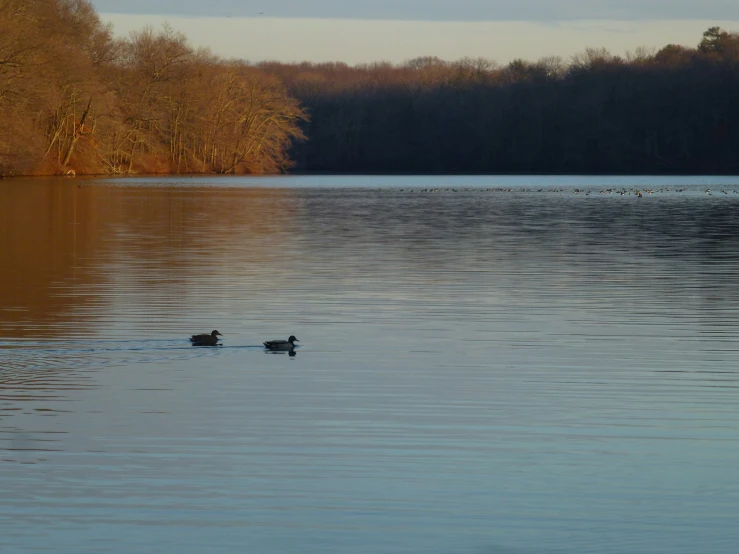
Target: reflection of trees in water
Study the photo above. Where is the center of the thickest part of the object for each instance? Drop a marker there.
(535, 239)
(69, 251)
(67, 248)
(46, 244)
(535, 219)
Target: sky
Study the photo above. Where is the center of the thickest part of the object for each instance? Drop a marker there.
(398, 30)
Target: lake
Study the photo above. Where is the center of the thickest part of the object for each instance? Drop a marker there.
(488, 365)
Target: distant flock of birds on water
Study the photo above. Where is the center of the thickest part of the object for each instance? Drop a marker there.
(211, 339)
(585, 192)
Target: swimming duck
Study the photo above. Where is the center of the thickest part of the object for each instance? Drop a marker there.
(205, 340)
(288, 344)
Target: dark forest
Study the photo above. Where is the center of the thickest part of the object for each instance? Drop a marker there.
(75, 100)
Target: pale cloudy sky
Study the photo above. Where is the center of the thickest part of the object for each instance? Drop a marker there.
(396, 30)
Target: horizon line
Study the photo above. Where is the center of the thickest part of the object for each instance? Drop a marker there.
(366, 41)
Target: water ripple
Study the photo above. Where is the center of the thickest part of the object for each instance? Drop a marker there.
(489, 364)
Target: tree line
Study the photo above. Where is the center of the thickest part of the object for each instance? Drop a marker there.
(673, 110)
(74, 99)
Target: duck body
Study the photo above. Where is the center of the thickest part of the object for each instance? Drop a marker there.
(205, 339)
(288, 344)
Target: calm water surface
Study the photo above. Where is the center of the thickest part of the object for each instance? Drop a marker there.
(489, 365)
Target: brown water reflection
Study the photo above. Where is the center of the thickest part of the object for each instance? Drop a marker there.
(60, 239)
(45, 240)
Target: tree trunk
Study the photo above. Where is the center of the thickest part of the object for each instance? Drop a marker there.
(77, 133)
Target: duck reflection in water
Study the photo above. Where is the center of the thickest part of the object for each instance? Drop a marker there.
(282, 345)
(291, 353)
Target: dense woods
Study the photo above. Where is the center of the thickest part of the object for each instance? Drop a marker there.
(675, 110)
(73, 99)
